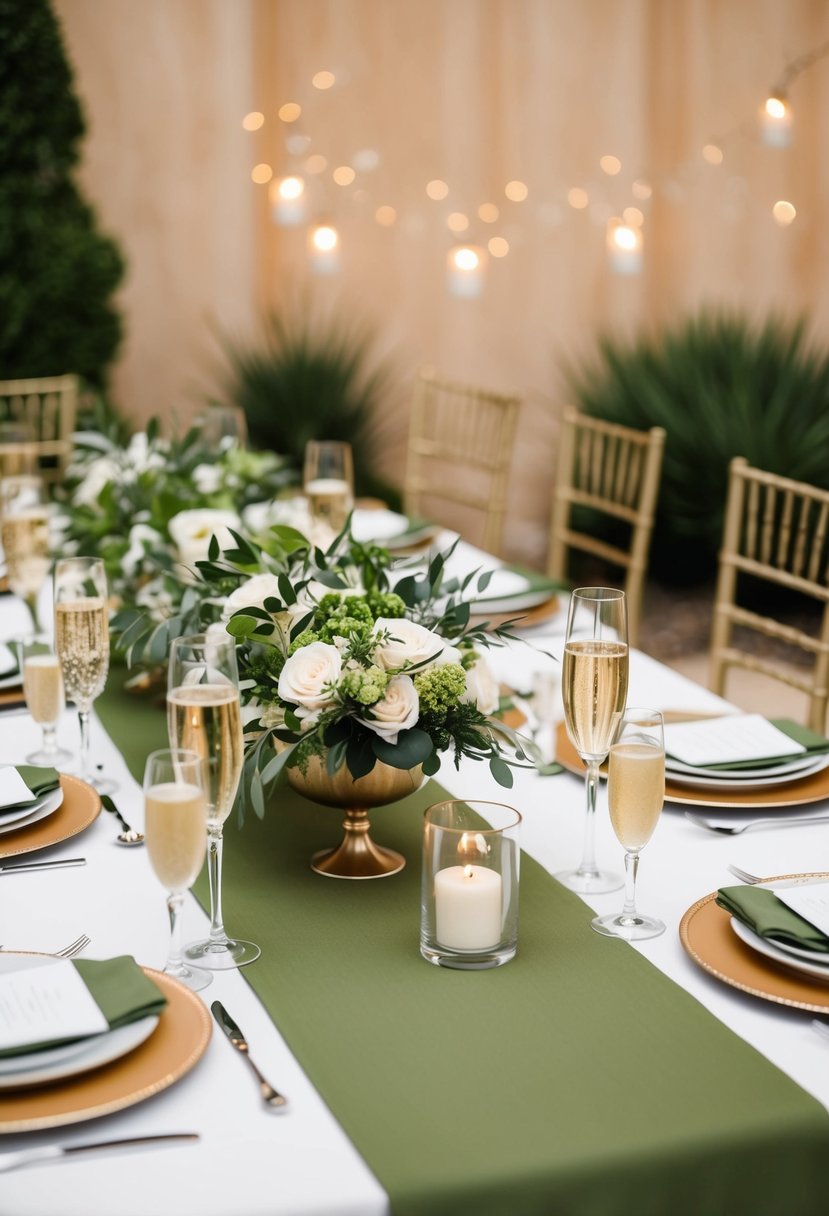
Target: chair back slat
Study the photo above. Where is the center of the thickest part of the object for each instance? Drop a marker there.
(613, 470)
(776, 530)
(460, 446)
(48, 406)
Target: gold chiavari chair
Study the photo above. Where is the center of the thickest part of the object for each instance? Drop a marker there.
(615, 471)
(48, 406)
(776, 530)
(460, 447)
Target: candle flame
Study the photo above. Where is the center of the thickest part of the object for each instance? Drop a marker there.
(468, 872)
(472, 845)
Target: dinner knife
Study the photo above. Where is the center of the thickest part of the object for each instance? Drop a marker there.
(57, 864)
(230, 1028)
(54, 1152)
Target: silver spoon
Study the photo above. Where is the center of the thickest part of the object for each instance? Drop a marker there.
(129, 836)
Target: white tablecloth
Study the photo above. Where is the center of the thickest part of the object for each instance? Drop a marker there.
(254, 1162)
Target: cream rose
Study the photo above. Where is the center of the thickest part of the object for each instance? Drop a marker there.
(412, 645)
(481, 687)
(398, 710)
(191, 531)
(252, 593)
(308, 673)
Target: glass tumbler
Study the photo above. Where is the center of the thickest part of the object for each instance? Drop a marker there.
(469, 894)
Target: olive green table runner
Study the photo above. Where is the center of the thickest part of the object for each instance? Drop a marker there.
(577, 1079)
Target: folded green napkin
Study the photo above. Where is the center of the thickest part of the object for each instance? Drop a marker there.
(814, 744)
(759, 909)
(120, 989)
(40, 780)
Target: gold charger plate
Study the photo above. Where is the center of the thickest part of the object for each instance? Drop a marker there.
(706, 934)
(175, 1046)
(81, 806)
(797, 792)
(12, 698)
(526, 618)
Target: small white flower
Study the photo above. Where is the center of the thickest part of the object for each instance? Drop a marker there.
(398, 710)
(141, 538)
(99, 473)
(481, 687)
(207, 478)
(307, 675)
(192, 530)
(411, 644)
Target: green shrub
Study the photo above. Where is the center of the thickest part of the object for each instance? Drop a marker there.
(313, 380)
(721, 386)
(57, 273)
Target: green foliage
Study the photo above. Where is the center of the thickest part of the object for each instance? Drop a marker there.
(57, 272)
(313, 380)
(721, 387)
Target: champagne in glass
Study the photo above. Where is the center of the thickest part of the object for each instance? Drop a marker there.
(24, 531)
(82, 642)
(204, 715)
(175, 816)
(594, 690)
(636, 791)
(45, 699)
(328, 481)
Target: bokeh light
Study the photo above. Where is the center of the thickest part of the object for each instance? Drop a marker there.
(253, 121)
(578, 198)
(437, 189)
(488, 212)
(261, 174)
(457, 221)
(516, 191)
(611, 165)
(290, 111)
(323, 80)
(783, 212)
(498, 246)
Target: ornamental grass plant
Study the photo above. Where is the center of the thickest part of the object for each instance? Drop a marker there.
(721, 386)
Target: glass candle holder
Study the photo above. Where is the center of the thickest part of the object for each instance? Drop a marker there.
(469, 898)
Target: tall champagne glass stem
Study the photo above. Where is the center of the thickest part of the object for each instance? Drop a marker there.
(174, 965)
(31, 604)
(83, 720)
(631, 870)
(587, 867)
(214, 872)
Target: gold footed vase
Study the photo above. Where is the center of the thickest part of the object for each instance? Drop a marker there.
(357, 856)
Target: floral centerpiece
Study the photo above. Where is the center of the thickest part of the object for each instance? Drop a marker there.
(345, 657)
(150, 506)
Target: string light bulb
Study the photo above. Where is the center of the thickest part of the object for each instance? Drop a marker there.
(776, 121)
(465, 271)
(324, 249)
(287, 198)
(624, 247)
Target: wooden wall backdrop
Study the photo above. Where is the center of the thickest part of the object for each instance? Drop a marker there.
(477, 93)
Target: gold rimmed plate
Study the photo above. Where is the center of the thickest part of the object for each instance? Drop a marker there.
(527, 618)
(706, 935)
(80, 808)
(798, 792)
(175, 1046)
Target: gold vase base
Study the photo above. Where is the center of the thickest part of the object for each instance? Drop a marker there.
(357, 856)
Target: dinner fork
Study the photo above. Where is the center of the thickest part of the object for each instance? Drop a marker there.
(754, 823)
(75, 947)
(802, 880)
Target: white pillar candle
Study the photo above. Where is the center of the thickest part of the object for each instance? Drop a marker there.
(468, 908)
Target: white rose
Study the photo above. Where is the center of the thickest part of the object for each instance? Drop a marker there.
(252, 593)
(398, 710)
(308, 673)
(481, 687)
(412, 644)
(192, 530)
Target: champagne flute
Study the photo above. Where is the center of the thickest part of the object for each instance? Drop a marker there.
(635, 792)
(224, 426)
(328, 481)
(82, 642)
(175, 808)
(43, 690)
(204, 715)
(24, 531)
(594, 690)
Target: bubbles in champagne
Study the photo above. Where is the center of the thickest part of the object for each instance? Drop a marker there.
(82, 644)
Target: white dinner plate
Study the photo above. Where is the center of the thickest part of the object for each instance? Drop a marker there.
(70, 1059)
(718, 782)
(15, 680)
(508, 591)
(12, 820)
(798, 764)
(780, 954)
